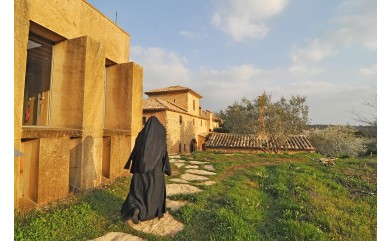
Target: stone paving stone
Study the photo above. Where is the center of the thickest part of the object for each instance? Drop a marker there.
(209, 167)
(191, 166)
(175, 205)
(200, 172)
(177, 161)
(179, 164)
(178, 180)
(192, 177)
(207, 183)
(118, 236)
(175, 157)
(198, 162)
(175, 188)
(165, 226)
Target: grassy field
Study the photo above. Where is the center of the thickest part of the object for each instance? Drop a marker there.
(256, 197)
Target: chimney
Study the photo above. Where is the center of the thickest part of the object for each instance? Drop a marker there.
(261, 116)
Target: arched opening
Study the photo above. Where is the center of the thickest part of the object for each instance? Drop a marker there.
(193, 145)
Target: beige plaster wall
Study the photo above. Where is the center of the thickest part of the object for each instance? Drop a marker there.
(179, 99)
(53, 169)
(75, 18)
(120, 95)
(193, 111)
(180, 133)
(136, 110)
(76, 98)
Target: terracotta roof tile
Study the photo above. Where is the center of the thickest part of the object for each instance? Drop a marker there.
(156, 104)
(172, 89)
(228, 140)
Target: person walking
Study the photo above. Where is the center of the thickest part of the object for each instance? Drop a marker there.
(149, 158)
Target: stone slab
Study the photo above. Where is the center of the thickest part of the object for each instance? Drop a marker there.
(178, 180)
(179, 165)
(173, 189)
(177, 161)
(191, 167)
(118, 236)
(200, 172)
(192, 177)
(165, 226)
(198, 163)
(207, 183)
(209, 167)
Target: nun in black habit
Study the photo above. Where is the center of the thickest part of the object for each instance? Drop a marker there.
(147, 195)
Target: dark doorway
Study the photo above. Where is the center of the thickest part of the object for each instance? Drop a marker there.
(193, 145)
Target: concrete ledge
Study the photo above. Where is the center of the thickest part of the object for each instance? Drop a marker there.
(45, 132)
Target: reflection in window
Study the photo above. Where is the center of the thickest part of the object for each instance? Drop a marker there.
(37, 81)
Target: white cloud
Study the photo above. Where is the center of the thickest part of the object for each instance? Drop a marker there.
(315, 51)
(187, 34)
(357, 23)
(161, 68)
(369, 72)
(245, 20)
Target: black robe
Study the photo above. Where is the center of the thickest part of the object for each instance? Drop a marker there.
(149, 163)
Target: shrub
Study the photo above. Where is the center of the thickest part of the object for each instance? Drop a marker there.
(338, 141)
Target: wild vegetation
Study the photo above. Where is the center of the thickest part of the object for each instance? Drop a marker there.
(256, 197)
(338, 141)
(277, 120)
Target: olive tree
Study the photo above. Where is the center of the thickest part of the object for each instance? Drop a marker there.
(241, 117)
(283, 118)
(276, 121)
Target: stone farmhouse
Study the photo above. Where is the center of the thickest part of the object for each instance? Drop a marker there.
(77, 99)
(178, 109)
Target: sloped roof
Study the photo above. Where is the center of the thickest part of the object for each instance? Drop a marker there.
(156, 104)
(228, 140)
(172, 89)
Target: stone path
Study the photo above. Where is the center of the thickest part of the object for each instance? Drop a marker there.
(190, 173)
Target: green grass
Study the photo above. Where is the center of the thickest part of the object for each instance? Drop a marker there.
(256, 197)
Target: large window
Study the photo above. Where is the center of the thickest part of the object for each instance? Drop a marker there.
(37, 81)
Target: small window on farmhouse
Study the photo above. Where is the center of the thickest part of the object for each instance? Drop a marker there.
(180, 120)
(174, 100)
(144, 120)
(180, 148)
(193, 104)
(193, 122)
(201, 122)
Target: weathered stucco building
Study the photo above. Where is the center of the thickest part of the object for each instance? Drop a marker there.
(77, 99)
(178, 109)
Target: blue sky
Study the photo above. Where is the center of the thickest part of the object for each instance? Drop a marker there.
(227, 50)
